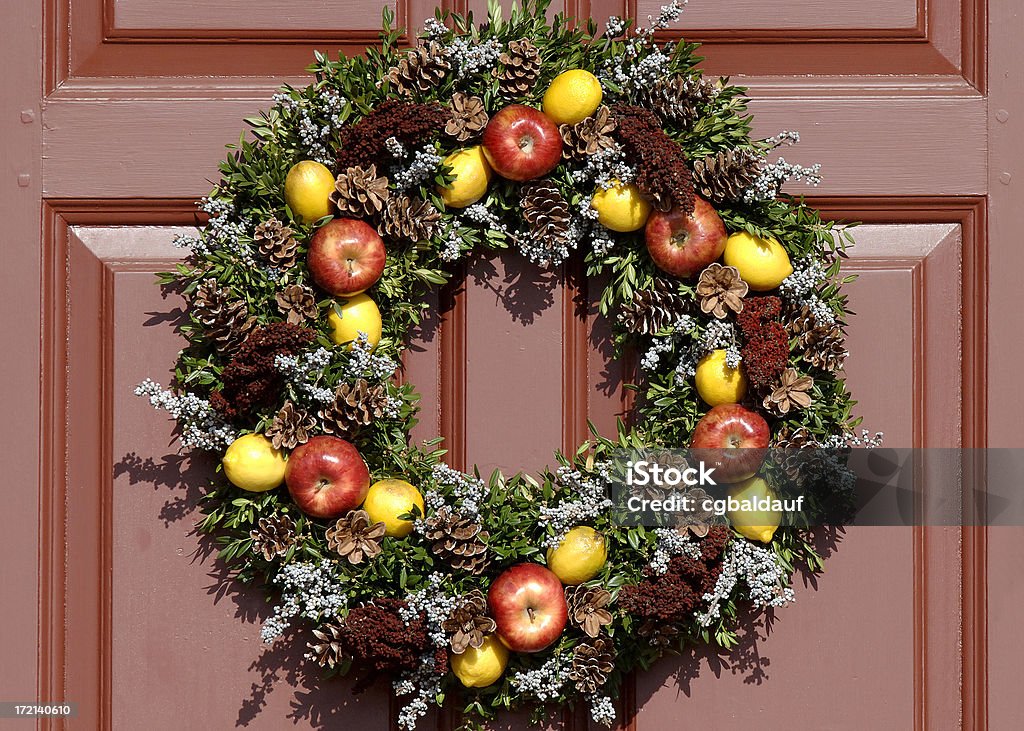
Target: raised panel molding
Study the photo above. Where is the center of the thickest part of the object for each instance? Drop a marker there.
(948, 605)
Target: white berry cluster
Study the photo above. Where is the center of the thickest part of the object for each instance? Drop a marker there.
(317, 119)
(865, 440)
(642, 62)
(759, 569)
(468, 492)
(544, 683)
(424, 684)
(411, 171)
(602, 710)
(223, 231)
(435, 603)
(605, 168)
(308, 590)
(589, 499)
(305, 373)
(717, 335)
(672, 543)
(201, 427)
(363, 363)
(806, 276)
(774, 175)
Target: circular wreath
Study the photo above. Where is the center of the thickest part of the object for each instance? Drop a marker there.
(389, 143)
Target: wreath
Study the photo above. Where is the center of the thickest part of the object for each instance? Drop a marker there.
(350, 200)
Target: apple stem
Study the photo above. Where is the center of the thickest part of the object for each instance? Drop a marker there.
(533, 614)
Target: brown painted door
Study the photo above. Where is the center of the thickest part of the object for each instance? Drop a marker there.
(114, 117)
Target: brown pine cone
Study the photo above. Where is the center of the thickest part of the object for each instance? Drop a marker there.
(297, 303)
(654, 309)
(273, 536)
(587, 608)
(226, 320)
(409, 219)
(354, 537)
(589, 135)
(591, 663)
(468, 117)
(360, 192)
(825, 348)
(468, 624)
(421, 69)
(727, 175)
(519, 68)
(355, 405)
(721, 290)
(276, 242)
(679, 98)
(459, 541)
(546, 210)
(290, 428)
(327, 648)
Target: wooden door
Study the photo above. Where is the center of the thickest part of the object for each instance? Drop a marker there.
(114, 119)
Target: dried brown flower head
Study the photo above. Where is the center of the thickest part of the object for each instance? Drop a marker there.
(662, 172)
(468, 117)
(297, 303)
(363, 143)
(354, 537)
(468, 624)
(588, 608)
(720, 290)
(792, 392)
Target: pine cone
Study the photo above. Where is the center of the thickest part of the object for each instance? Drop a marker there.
(824, 347)
(791, 393)
(226, 321)
(589, 135)
(297, 303)
(790, 438)
(327, 649)
(654, 309)
(587, 610)
(360, 191)
(727, 175)
(659, 633)
(273, 536)
(468, 117)
(721, 289)
(591, 663)
(276, 242)
(468, 624)
(408, 218)
(678, 98)
(520, 68)
(697, 521)
(422, 69)
(800, 320)
(355, 405)
(546, 210)
(354, 537)
(290, 428)
(459, 541)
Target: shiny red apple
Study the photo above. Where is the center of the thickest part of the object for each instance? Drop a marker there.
(528, 605)
(327, 477)
(732, 439)
(683, 244)
(522, 143)
(346, 256)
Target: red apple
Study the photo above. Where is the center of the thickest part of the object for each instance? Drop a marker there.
(683, 244)
(346, 256)
(528, 605)
(522, 143)
(732, 439)
(327, 477)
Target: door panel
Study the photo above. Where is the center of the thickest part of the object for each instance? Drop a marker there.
(135, 100)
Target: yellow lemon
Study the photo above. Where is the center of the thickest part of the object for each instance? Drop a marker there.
(307, 190)
(354, 315)
(579, 557)
(757, 525)
(621, 207)
(387, 499)
(252, 463)
(481, 666)
(717, 383)
(762, 263)
(573, 96)
(472, 176)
